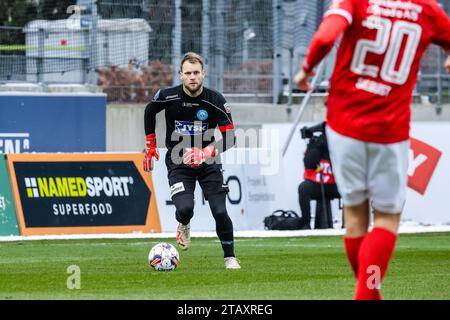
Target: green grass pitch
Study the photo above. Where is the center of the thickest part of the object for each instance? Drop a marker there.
(272, 268)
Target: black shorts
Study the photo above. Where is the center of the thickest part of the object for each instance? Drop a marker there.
(182, 178)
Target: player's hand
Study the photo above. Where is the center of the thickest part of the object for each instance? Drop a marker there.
(193, 157)
(447, 64)
(150, 152)
(301, 80)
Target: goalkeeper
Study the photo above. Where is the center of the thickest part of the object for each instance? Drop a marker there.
(192, 114)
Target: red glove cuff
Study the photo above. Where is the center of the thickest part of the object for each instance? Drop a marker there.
(210, 151)
(150, 140)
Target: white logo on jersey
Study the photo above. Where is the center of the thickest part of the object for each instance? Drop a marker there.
(189, 128)
(227, 108)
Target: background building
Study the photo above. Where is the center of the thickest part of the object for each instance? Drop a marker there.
(252, 48)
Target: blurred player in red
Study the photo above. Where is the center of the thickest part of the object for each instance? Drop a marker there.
(368, 116)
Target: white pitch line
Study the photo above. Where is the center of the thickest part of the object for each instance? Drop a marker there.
(237, 234)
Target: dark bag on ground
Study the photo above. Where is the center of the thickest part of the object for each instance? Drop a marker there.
(283, 220)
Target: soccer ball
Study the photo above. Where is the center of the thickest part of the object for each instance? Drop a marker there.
(163, 257)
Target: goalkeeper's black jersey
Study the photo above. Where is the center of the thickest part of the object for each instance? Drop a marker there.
(190, 122)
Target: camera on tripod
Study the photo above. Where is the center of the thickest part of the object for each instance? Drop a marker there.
(308, 132)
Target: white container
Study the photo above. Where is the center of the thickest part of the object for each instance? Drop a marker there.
(65, 45)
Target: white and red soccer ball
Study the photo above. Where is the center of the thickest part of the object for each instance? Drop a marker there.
(163, 257)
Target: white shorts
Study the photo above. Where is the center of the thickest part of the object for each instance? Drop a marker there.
(373, 171)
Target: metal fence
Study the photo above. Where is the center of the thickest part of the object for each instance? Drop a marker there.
(132, 47)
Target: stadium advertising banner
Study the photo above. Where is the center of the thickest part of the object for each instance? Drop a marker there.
(82, 193)
(8, 220)
(52, 122)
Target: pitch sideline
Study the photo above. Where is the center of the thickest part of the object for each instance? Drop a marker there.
(211, 234)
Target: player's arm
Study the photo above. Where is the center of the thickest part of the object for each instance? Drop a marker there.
(151, 110)
(151, 151)
(228, 139)
(323, 41)
(226, 127)
(442, 33)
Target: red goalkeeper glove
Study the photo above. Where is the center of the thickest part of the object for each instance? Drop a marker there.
(150, 152)
(196, 156)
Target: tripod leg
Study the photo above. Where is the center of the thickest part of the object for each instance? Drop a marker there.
(329, 214)
(326, 222)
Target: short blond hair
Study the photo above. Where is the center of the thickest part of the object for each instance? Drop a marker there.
(192, 57)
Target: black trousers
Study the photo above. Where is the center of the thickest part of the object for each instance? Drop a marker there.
(308, 191)
(182, 181)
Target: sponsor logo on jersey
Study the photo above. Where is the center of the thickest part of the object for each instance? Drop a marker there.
(190, 105)
(227, 108)
(202, 115)
(171, 97)
(189, 128)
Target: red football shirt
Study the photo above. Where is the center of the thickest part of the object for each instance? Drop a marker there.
(377, 65)
(322, 176)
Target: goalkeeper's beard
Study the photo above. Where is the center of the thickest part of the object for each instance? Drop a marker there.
(194, 91)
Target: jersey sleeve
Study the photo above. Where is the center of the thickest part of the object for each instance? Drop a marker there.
(329, 31)
(156, 105)
(224, 120)
(338, 17)
(226, 126)
(343, 8)
(441, 28)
